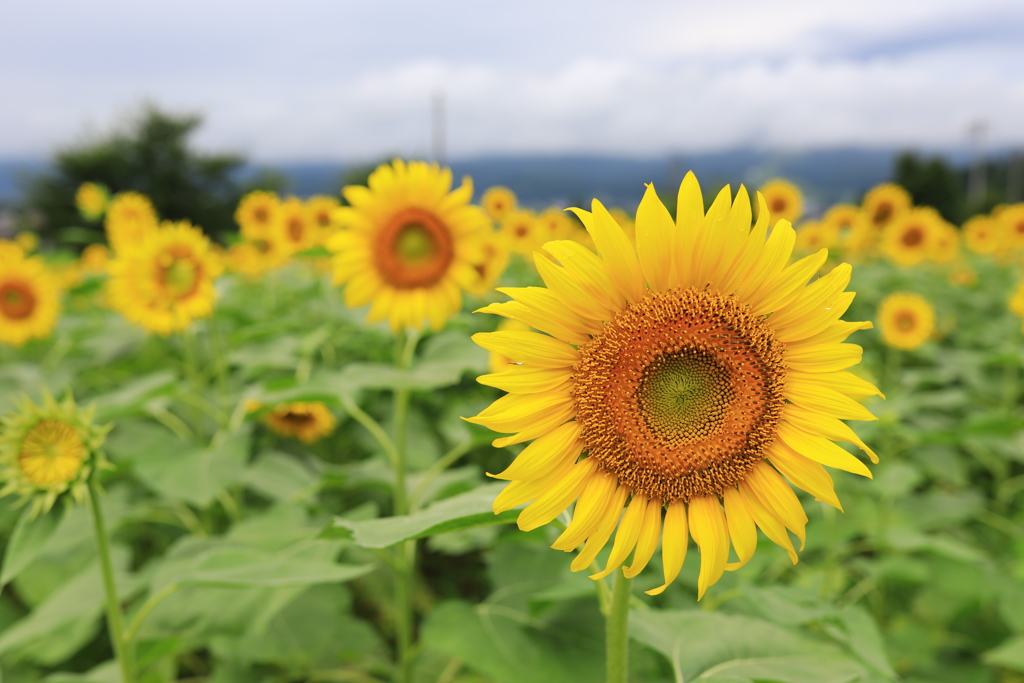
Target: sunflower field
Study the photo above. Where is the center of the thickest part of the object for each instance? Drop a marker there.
(348, 445)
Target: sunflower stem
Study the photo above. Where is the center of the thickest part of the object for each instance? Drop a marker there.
(617, 630)
(124, 648)
(405, 552)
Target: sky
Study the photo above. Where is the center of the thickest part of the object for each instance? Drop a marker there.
(330, 80)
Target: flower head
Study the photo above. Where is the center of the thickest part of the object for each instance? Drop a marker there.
(130, 220)
(676, 385)
(47, 450)
(29, 300)
(985, 235)
(91, 201)
(410, 244)
(906, 320)
(498, 202)
(911, 237)
(308, 422)
(883, 203)
(784, 200)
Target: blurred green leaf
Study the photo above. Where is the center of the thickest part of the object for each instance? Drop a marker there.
(196, 475)
(29, 536)
(132, 396)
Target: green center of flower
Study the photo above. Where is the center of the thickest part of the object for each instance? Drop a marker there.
(180, 277)
(685, 396)
(415, 243)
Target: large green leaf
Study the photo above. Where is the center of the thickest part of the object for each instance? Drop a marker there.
(281, 477)
(196, 475)
(131, 397)
(1009, 655)
(706, 644)
(464, 511)
(29, 536)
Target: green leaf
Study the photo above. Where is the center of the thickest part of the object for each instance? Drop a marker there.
(131, 397)
(196, 475)
(465, 511)
(29, 536)
(316, 252)
(1009, 655)
(707, 644)
(281, 477)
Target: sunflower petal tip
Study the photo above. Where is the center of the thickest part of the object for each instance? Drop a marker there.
(659, 590)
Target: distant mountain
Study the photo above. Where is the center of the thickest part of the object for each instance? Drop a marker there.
(826, 176)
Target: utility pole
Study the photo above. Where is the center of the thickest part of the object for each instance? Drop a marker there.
(437, 126)
(977, 182)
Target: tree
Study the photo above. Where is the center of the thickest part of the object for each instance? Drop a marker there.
(151, 156)
(931, 182)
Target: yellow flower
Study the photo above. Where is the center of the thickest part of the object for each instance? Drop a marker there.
(906, 320)
(841, 218)
(946, 245)
(322, 211)
(498, 361)
(1012, 220)
(47, 450)
(694, 369)
(555, 224)
(812, 236)
(295, 227)
(308, 422)
(10, 251)
(257, 213)
(498, 202)
(963, 276)
(91, 201)
(167, 281)
(130, 221)
(410, 245)
(29, 300)
(884, 203)
(910, 237)
(28, 241)
(522, 231)
(984, 235)
(1016, 303)
(490, 265)
(94, 258)
(784, 199)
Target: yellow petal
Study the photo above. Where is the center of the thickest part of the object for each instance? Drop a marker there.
(528, 347)
(707, 526)
(604, 530)
(816, 296)
(823, 357)
(524, 379)
(710, 240)
(773, 257)
(689, 221)
(545, 454)
(655, 240)
(736, 230)
(821, 450)
(589, 511)
(741, 528)
(776, 293)
(513, 412)
(568, 290)
(826, 426)
(545, 301)
(804, 473)
(778, 498)
(819, 398)
(626, 536)
(647, 542)
(519, 492)
(673, 544)
(540, 427)
(844, 381)
(616, 251)
(750, 257)
(589, 271)
(767, 522)
(558, 496)
(824, 319)
(541, 320)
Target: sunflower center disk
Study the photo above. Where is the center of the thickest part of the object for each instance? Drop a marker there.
(16, 301)
(414, 249)
(681, 394)
(180, 277)
(51, 453)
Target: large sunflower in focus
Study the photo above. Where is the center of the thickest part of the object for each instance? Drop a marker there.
(677, 385)
(167, 281)
(29, 300)
(410, 244)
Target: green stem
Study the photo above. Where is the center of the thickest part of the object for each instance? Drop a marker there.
(371, 426)
(892, 368)
(405, 564)
(443, 463)
(617, 631)
(147, 607)
(124, 649)
(1010, 386)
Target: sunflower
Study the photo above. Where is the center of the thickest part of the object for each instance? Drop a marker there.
(321, 210)
(1012, 220)
(257, 213)
(693, 371)
(94, 258)
(1016, 303)
(985, 235)
(47, 450)
(946, 245)
(28, 241)
(885, 202)
(841, 218)
(410, 245)
(91, 201)
(130, 220)
(10, 251)
(522, 231)
(555, 225)
(784, 199)
(29, 300)
(812, 236)
(910, 237)
(295, 227)
(906, 320)
(491, 263)
(498, 202)
(167, 281)
(307, 422)
(499, 362)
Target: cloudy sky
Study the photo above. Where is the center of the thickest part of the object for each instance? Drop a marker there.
(336, 80)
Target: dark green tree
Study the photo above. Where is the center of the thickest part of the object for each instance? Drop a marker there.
(153, 156)
(932, 182)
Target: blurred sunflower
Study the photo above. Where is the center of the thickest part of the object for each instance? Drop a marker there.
(784, 200)
(906, 320)
(130, 220)
(295, 227)
(910, 237)
(812, 236)
(321, 210)
(1012, 220)
(522, 232)
(410, 245)
(29, 300)
(498, 202)
(91, 201)
(307, 422)
(47, 450)
(555, 225)
(491, 263)
(257, 213)
(984, 235)
(28, 241)
(634, 372)
(94, 258)
(884, 203)
(167, 281)
(10, 250)
(841, 218)
(946, 245)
